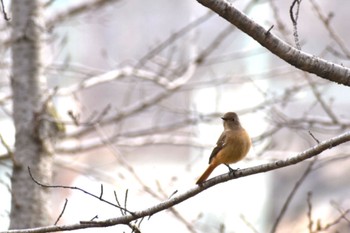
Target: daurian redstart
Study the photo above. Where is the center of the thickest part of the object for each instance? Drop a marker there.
(232, 146)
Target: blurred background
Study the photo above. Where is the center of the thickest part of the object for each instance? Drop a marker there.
(141, 87)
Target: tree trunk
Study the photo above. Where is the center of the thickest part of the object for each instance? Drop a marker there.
(29, 201)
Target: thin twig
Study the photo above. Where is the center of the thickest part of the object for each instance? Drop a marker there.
(4, 11)
(217, 41)
(326, 22)
(176, 213)
(309, 211)
(313, 137)
(75, 10)
(64, 208)
(174, 37)
(341, 211)
(249, 224)
(93, 218)
(279, 23)
(126, 199)
(140, 222)
(116, 199)
(336, 221)
(134, 228)
(77, 188)
(101, 193)
(320, 100)
(292, 193)
(294, 18)
(269, 30)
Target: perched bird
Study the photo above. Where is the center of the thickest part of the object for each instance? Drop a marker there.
(232, 146)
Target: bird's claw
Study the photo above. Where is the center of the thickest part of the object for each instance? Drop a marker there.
(231, 170)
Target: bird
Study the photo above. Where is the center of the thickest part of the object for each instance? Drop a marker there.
(231, 147)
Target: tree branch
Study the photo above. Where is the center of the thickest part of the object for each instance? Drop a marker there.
(291, 195)
(75, 10)
(309, 153)
(80, 189)
(301, 60)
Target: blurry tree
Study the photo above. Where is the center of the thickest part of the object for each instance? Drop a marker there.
(32, 141)
(129, 106)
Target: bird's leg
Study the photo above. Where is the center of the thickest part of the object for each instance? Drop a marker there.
(231, 170)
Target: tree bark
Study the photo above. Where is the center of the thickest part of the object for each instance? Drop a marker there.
(301, 60)
(29, 201)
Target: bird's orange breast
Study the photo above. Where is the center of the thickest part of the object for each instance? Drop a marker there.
(237, 145)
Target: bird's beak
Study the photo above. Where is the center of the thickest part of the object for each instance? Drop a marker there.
(223, 118)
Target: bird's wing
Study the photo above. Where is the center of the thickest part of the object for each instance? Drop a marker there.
(219, 145)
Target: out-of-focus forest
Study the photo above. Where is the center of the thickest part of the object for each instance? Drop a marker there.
(134, 92)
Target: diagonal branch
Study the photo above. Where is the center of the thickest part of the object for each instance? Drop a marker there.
(170, 88)
(301, 60)
(76, 10)
(326, 22)
(309, 153)
(291, 195)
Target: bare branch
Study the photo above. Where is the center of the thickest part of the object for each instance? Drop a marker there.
(341, 211)
(294, 17)
(145, 103)
(291, 194)
(174, 37)
(320, 100)
(319, 227)
(181, 218)
(326, 22)
(249, 224)
(219, 38)
(309, 153)
(125, 200)
(303, 61)
(309, 212)
(76, 10)
(114, 75)
(4, 11)
(313, 137)
(336, 221)
(280, 25)
(77, 188)
(64, 208)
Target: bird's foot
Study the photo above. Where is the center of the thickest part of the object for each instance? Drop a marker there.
(231, 170)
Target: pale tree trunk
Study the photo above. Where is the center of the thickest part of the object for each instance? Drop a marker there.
(29, 201)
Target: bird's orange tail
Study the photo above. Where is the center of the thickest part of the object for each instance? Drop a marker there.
(206, 174)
